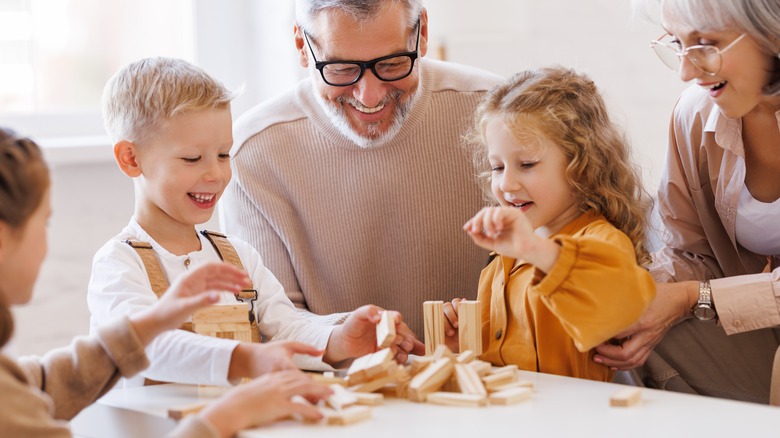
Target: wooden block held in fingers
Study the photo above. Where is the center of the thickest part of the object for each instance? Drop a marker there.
(626, 397)
(433, 317)
(456, 399)
(183, 411)
(511, 396)
(385, 331)
(430, 380)
(350, 415)
(470, 326)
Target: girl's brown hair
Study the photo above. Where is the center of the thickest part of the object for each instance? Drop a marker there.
(567, 108)
(24, 179)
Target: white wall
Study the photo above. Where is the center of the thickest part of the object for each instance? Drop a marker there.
(249, 43)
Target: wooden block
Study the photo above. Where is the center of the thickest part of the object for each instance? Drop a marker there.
(504, 369)
(327, 378)
(433, 317)
(456, 399)
(369, 399)
(385, 331)
(626, 397)
(481, 367)
(442, 351)
(377, 383)
(222, 313)
(341, 397)
(496, 380)
(419, 364)
(183, 411)
(468, 380)
(511, 385)
(350, 415)
(465, 356)
(430, 380)
(470, 326)
(371, 366)
(511, 396)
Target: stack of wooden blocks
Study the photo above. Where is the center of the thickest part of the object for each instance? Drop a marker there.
(439, 377)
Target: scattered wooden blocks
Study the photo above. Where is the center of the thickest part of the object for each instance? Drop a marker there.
(370, 367)
(369, 399)
(430, 380)
(327, 378)
(515, 384)
(481, 367)
(468, 380)
(470, 326)
(433, 317)
(456, 399)
(385, 331)
(511, 396)
(466, 356)
(492, 381)
(183, 411)
(626, 397)
(341, 398)
(350, 415)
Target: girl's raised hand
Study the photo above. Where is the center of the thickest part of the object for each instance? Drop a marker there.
(507, 231)
(504, 230)
(198, 288)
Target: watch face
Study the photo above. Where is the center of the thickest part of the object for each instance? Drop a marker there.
(704, 313)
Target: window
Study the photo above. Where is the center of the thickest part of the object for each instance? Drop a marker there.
(56, 55)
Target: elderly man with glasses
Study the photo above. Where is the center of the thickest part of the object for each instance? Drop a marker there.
(354, 185)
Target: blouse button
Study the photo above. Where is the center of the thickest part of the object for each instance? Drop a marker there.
(499, 333)
(737, 323)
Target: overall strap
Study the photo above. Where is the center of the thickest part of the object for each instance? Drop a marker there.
(156, 278)
(153, 270)
(228, 254)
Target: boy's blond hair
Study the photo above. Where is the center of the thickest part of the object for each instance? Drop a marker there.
(145, 94)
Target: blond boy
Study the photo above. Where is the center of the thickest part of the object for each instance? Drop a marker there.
(170, 124)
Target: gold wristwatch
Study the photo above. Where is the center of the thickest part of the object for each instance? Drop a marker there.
(703, 310)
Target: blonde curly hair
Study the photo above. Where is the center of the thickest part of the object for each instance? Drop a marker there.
(567, 108)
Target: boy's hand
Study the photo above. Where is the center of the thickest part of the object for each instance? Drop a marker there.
(252, 360)
(196, 289)
(265, 400)
(451, 325)
(357, 337)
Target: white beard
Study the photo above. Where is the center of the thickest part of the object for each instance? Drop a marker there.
(339, 119)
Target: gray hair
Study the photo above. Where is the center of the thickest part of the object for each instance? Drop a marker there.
(758, 18)
(362, 11)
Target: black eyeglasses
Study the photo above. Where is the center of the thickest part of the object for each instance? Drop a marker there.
(387, 68)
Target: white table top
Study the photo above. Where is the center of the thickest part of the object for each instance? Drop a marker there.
(561, 406)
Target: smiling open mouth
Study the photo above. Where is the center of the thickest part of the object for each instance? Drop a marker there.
(203, 198)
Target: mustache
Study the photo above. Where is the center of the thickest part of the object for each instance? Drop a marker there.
(393, 95)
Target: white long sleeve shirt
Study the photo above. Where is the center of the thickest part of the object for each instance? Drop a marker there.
(119, 285)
